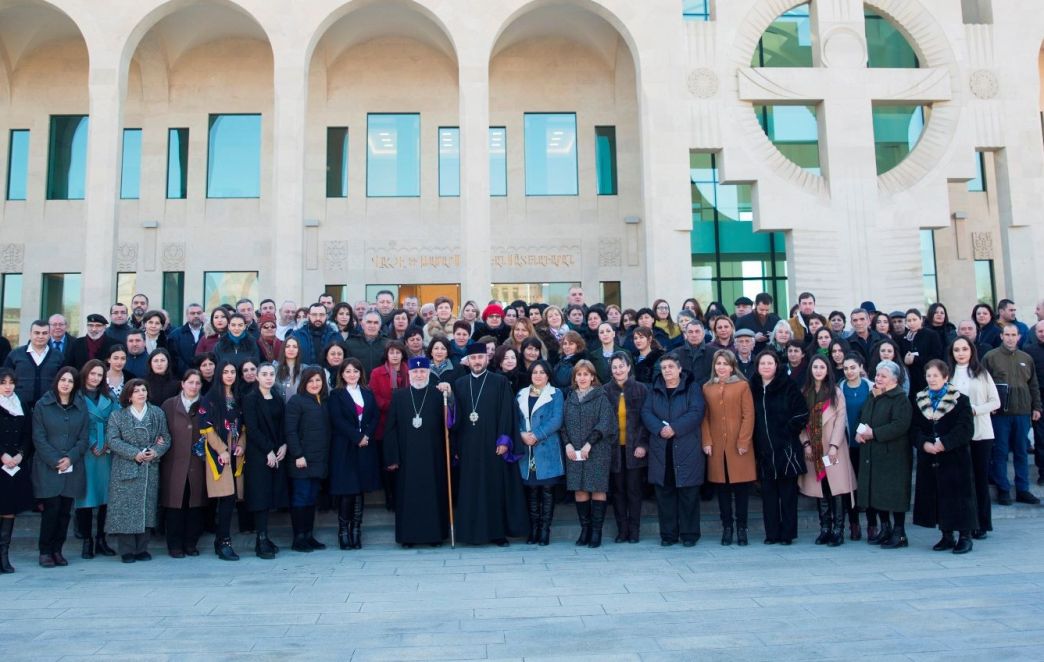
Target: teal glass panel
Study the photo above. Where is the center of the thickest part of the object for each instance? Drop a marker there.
(130, 165)
(220, 287)
(17, 164)
(67, 157)
(978, 185)
(928, 268)
(794, 130)
(60, 293)
(886, 47)
(393, 155)
(896, 132)
(787, 42)
(234, 156)
(497, 161)
(11, 306)
(177, 163)
(551, 167)
(985, 289)
(605, 159)
(173, 296)
(695, 10)
(337, 162)
(449, 161)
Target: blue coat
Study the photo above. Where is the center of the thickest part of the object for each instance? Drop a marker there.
(544, 422)
(684, 411)
(182, 347)
(97, 468)
(310, 355)
(353, 470)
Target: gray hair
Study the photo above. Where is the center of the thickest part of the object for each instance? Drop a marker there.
(780, 324)
(890, 366)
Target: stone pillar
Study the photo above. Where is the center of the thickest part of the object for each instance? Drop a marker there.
(285, 281)
(104, 143)
(476, 272)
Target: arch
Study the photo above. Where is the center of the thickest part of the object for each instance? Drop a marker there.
(25, 28)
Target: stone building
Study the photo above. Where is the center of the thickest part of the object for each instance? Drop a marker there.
(201, 150)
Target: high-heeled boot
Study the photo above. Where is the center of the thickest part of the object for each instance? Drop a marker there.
(355, 528)
(533, 506)
(344, 519)
(6, 530)
(547, 514)
(583, 513)
(597, 522)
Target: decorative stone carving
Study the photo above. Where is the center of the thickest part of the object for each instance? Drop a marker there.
(336, 255)
(173, 258)
(12, 257)
(982, 245)
(535, 256)
(703, 83)
(844, 48)
(609, 252)
(984, 84)
(127, 257)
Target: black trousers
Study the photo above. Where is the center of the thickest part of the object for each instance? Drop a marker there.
(54, 523)
(1038, 444)
(84, 523)
(184, 525)
(226, 506)
(726, 493)
(780, 497)
(678, 507)
(981, 452)
(626, 488)
(848, 504)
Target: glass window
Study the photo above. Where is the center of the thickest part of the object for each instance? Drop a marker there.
(449, 161)
(787, 42)
(67, 157)
(130, 167)
(126, 286)
(177, 164)
(11, 303)
(173, 296)
(551, 154)
(928, 273)
(221, 287)
(234, 157)
(887, 47)
(373, 289)
(978, 185)
(985, 289)
(896, 132)
(337, 162)
(794, 130)
(696, 10)
(61, 294)
(605, 159)
(17, 164)
(550, 293)
(338, 292)
(393, 155)
(610, 291)
(497, 161)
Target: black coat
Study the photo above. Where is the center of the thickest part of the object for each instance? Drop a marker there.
(225, 351)
(307, 436)
(696, 360)
(683, 410)
(16, 492)
(353, 470)
(78, 353)
(646, 370)
(31, 380)
(637, 435)
(927, 346)
(264, 487)
(780, 413)
(562, 373)
(751, 321)
(945, 492)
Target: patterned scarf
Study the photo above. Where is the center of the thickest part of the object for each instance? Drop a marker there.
(933, 405)
(818, 401)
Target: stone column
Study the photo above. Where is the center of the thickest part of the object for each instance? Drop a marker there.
(475, 238)
(285, 280)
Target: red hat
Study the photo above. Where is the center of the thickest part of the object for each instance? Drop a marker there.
(492, 309)
(266, 317)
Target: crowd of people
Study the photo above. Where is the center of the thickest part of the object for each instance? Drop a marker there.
(484, 419)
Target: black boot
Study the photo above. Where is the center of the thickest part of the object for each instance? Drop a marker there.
(547, 514)
(964, 543)
(88, 548)
(355, 529)
(224, 551)
(101, 545)
(533, 505)
(263, 547)
(310, 522)
(837, 536)
(824, 521)
(884, 533)
(945, 542)
(741, 536)
(597, 521)
(726, 534)
(6, 529)
(897, 539)
(300, 532)
(583, 513)
(344, 516)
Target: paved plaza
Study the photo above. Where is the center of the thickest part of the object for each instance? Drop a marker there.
(620, 602)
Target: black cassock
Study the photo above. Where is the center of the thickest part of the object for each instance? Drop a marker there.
(421, 510)
(490, 505)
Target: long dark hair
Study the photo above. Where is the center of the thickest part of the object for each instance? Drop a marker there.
(306, 376)
(829, 383)
(67, 370)
(975, 367)
(103, 388)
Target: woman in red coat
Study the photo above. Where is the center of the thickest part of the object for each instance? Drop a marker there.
(391, 374)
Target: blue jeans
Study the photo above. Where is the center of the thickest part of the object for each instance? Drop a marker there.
(304, 492)
(1010, 432)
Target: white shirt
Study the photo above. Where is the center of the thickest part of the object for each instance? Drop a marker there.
(140, 415)
(38, 358)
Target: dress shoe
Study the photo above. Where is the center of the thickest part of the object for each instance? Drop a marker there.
(769, 541)
(741, 536)
(223, 550)
(945, 543)
(667, 543)
(1004, 498)
(1027, 497)
(689, 543)
(300, 544)
(191, 551)
(872, 533)
(176, 553)
(313, 543)
(897, 539)
(101, 546)
(621, 536)
(46, 561)
(143, 556)
(59, 560)
(127, 558)
(884, 533)
(979, 534)
(855, 532)
(963, 546)
(786, 542)
(502, 542)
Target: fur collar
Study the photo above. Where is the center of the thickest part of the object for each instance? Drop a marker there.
(946, 405)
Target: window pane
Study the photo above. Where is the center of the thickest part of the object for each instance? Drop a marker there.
(985, 292)
(978, 185)
(67, 157)
(696, 10)
(886, 46)
(373, 289)
(551, 293)
(393, 156)
(17, 164)
(551, 154)
(610, 292)
(794, 130)
(126, 286)
(177, 163)
(234, 157)
(449, 161)
(497, 161)
(130, 175)
(174, 296)
(931, 285)
(221, 287)
(61, 294)
(338, 292)
(896, 132)
(787, 42)
(11, 302)
(605, 159)
(337, 162)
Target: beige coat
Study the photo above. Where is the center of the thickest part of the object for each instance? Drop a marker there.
(223, 485)
(728, 425)
(840, 476)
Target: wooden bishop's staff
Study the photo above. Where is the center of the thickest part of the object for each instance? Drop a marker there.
(449, 474)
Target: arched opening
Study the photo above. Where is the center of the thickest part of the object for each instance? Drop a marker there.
(564, 150)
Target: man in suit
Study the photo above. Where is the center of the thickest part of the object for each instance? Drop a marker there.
(94, 345)
(59, 339)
